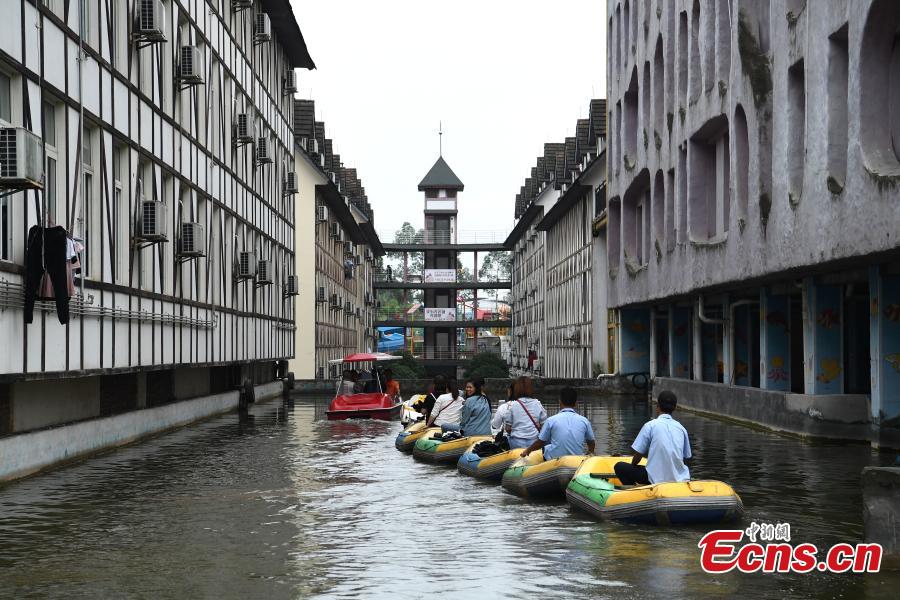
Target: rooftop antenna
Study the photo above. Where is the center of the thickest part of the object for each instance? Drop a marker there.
(440, 138)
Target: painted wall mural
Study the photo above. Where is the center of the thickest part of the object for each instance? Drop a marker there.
(828, 363)
(635, 327)
(681, 342)
(778, 342)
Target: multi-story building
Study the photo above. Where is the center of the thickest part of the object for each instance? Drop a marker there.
(754, 164)
(559, 317)
(454, 322)
(157, 135)
(337, 249)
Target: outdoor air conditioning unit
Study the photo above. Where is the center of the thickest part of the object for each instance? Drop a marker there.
(290, 183)
(357, 259)
(348, 248)
(262, 152)
(246, 267)
(150, 20)
(190, 67)
(313, 146)
(334, 302)
(244, 133)
(347, 308)
(320, 374)
(368, 299)
(241, 4)
(358, 313)
(21, 159)
(290, 82)
(369, 255)
(264, 272)
(153, 221)
(322, 213)
(292, 285)
(263, 31)
(193, 240)
(321, 296)
(335, 231)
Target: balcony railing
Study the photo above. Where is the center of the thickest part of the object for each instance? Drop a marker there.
(461, 277)
(418, 316)
(447, 237)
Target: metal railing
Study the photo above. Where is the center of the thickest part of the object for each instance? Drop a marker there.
(418, 316)
(12, 296)
(447, 237)
(462, 277)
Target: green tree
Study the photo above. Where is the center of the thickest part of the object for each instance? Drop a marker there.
(496, 266)
(408, 368)
(407, 234)
(487, 364)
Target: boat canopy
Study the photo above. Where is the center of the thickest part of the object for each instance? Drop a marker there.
(365, 357)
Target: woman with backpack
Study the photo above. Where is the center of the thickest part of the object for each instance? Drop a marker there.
(447, 408)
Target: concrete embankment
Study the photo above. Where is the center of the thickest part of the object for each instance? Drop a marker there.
(27, 453)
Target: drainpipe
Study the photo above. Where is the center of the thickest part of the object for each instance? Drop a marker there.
(703, 317)
(80, 150)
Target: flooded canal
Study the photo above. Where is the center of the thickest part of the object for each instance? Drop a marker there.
(282, 504)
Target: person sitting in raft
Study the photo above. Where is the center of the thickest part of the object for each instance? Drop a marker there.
(359, 385)
(664, 443)
(565, 433)
(502, 409)
(475, 418)
(438, 385)
(447, 408)
(524, 416)
(345, 387)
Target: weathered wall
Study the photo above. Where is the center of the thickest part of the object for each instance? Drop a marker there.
(809, 182)
(881, 507)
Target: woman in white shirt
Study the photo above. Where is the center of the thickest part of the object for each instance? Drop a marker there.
(447, 408)
(524, 416)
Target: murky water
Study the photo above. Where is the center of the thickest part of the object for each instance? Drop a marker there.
(282, 504)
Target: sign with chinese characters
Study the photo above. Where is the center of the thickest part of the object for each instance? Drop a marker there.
(440, 314)
(440, 275)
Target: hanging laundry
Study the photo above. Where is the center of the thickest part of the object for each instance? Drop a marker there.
(45, 255)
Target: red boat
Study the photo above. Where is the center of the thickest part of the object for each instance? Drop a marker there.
(364, 405)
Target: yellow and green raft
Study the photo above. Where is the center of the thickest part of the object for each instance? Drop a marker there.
(406, 439)
(432, 449)
(488, 468)
(533, 477)
(593, 491)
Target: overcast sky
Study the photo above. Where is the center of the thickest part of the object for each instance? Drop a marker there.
(504, 76)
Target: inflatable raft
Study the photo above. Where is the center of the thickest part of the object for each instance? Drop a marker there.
(660, 504)
(488, 468)
(435, 450)
(407, 438)
(533, 477)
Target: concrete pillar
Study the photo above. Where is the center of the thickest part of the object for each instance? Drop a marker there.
(740, 341)
(635, 328)
(680, 341)
(884, 295)
(823, 338)
(653, 368)
(727, 336)
(775, 351)
(697, 342)
(763, 339)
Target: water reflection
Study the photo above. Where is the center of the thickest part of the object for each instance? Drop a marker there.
(280, 503)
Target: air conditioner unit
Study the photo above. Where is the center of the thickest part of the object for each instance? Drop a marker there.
(190, 67)
(150, 22)
(21, 159)
(369, 255)
(348, 248)
(290, 82)
(357, 259)
(334, 302)
(263, 30)
(322, 213)
(292, 285)
(246, 267)
(347, 308)
(290, 183)
(320, 374)
(153, 221)
(193, 240)
(241, 4)
(368, 299)
(321, 296)
(262, 152)
(244, 133)
(313, 146)
(358, 313)
(335, 231)
(264, 272)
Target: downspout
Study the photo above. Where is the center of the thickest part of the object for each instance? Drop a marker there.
(703, 317)
(80, 150)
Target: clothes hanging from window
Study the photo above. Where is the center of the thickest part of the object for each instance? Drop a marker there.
(45, 254)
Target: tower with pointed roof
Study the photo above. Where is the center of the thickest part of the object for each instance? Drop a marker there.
(441, 186)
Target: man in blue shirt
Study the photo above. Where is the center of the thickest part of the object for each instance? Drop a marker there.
(664, 443)
(565, 433)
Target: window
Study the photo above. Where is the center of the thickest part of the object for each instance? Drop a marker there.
(120, 206)
(5, 99)
(600, 200)
(87, 198)
(710, 166)
(50, 192)
(6, 227)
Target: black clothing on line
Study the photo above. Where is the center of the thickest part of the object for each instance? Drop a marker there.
(53, 257)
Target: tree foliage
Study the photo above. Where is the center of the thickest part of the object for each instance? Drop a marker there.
(487, 364)
(408, 368)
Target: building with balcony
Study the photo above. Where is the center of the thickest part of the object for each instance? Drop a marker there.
(153, 140)
(337, 249)
(754, 164)
(559, 312)
(445, 308)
